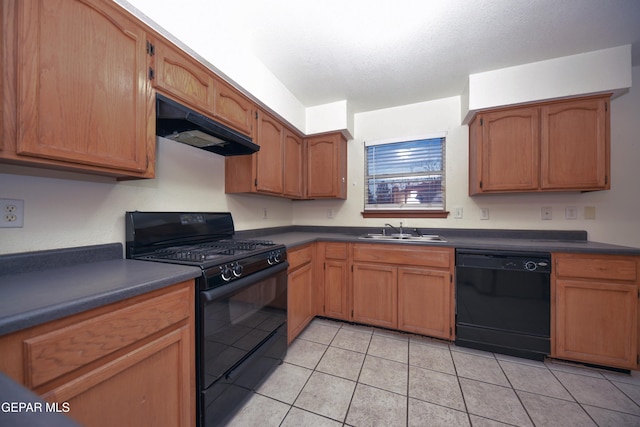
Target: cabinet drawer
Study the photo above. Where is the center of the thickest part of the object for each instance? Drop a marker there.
(404, 255)
(299, 257)
(53, 354)
(600, 267)
(335, 251)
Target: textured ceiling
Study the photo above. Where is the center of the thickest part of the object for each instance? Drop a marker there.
(378, 54)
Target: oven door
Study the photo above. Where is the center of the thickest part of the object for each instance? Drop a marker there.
(242, 338)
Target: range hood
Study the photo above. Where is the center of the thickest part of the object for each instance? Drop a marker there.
(179, 123)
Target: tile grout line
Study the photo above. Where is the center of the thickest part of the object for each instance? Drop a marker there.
(292, 405)
(344, 422)
(571, 394)
(340, 326)
(464, 400)
(514, 389)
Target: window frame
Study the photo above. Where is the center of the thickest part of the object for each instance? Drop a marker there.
(399, 212)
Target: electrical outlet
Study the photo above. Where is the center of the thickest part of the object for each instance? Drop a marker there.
(264, 213)
(484, 213)
(546, 213)
(330, 213)
(11, 213)
(457, 213)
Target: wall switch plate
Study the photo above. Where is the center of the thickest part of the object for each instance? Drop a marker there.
(546, 213)
(457, 213)
(484, 213)
(265, 215)
(11, 213)
(330, 213)
(571, 212)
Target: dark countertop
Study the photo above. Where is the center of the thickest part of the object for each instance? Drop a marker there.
(29, 298)
(535, 242)
(42, 286)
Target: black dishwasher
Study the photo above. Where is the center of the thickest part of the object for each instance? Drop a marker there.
(503, 302)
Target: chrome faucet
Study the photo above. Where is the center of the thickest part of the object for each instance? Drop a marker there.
(392, 227)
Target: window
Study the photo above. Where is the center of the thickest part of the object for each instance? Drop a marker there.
(405, 177)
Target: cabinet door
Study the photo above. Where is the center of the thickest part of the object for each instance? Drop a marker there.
(183, 77)
(130, 391)
(336, 290)
(374, 289)
(327, 166)
(424, 302)
(509, 150)
(596, 322)
(83, 87)
(269, 158)
(299, 294)
(233, 108)
(575, 145)
(293, 165)
(127, 363)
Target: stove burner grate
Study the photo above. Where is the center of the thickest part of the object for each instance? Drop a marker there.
(209, 251)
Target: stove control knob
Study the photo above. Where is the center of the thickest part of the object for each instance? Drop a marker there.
(530, 266)
(274, 257)
(226, 272)
(237, 269)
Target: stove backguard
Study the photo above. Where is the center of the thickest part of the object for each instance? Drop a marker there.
(149, 231)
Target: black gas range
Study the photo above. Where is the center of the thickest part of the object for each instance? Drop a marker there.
(203, 239)
(241, 301)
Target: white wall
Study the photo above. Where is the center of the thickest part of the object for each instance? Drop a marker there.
(601, 71)
(617, 211)
(66, 209)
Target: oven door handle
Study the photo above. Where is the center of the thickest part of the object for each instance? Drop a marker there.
(222, 291)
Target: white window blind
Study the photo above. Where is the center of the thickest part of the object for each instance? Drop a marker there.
(407, 174)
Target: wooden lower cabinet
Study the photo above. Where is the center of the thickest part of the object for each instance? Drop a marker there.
(127, 363)
(336, 290)
(403, 287)
(333, 294)
(300, 309)
(595, 309)
(374, 295)
(425, 302)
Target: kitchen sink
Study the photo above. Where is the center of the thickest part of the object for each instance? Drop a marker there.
(404, 237)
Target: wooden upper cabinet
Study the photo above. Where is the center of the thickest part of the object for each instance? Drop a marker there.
(555, 146)
(508, 150)
(276, 169)
(233, 108)
(293, 158)
(327, 166)
(181, 76)
(82, 94)
(575, 145)
(269, 174)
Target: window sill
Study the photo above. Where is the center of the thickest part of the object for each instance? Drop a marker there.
(404, 214)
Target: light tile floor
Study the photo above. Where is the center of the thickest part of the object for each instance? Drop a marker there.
(338, 374)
